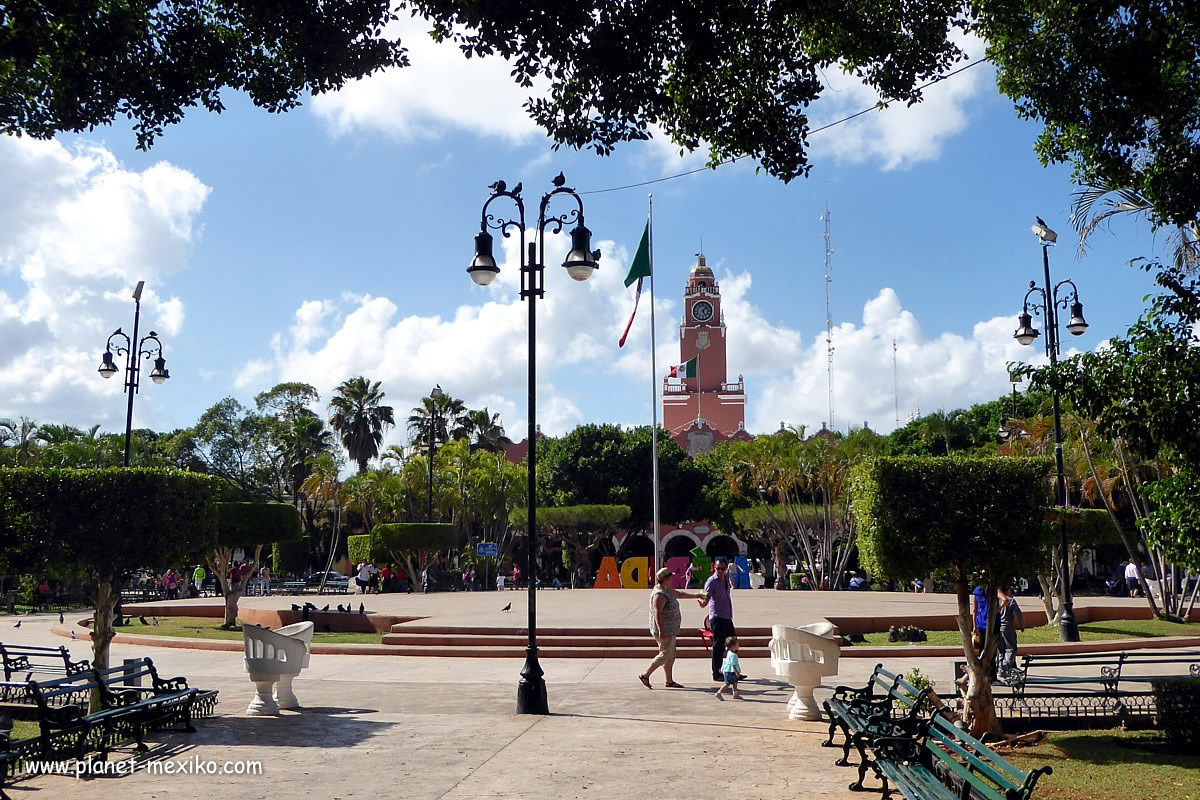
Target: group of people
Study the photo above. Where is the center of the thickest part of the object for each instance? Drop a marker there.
(371, 579)
(666, 619)
(1009, 619)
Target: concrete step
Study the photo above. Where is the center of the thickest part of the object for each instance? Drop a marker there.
(558, 652)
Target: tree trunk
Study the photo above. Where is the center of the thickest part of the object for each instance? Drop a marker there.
(979, 706)
(781, 578)
(102, 632)
(1048, 594)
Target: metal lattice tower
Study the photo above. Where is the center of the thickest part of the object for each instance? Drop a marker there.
(829, 312)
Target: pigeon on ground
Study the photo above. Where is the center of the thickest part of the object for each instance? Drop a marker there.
(362, 609)
(18, 624)
(60, 618)
(295, 607)
(341, 609)
(507, 607)
(155, 621)
(143, 620)
(310, 606)
(73, 636)
(326, 608)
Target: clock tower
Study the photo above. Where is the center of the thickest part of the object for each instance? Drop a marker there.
(703, 409)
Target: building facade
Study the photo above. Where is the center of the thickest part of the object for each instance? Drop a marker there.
(703, 408)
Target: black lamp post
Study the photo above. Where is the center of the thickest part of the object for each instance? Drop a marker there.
(434, 396)
(1050, 301)
(1010, 429)
(134, 351)
(580, 263)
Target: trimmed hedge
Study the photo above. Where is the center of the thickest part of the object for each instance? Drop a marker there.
(250, 524)
(413, 537)
(104, 522)
(1178, 703)
(358, 549)
(574, 518)
(1087, 527)
(290, 556)
(950, 516)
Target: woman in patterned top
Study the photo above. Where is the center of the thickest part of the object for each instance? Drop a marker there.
(665, 619)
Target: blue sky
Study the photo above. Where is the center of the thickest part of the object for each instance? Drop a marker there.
(332, 241)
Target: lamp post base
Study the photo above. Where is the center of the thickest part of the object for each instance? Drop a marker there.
(531, 689)
(1068, 628)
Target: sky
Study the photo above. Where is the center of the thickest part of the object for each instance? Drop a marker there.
(332, 241)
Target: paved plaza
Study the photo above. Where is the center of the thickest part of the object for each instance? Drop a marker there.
(376, 726)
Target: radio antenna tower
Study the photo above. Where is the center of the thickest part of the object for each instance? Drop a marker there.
(895, 383)
(829, 311)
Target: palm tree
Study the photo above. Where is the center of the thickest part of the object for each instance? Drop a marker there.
(21, 438)
(484, 431)
(302, 440)
(1114, 201)
(447, 414)
(359, 418)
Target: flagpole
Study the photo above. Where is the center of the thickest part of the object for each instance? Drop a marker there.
(654, 400)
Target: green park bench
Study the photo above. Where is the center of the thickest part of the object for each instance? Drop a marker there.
(944, 762)
(887, 706)
(28, 660)
(68, 730)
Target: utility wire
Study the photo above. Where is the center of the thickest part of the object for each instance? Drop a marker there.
(880, 106)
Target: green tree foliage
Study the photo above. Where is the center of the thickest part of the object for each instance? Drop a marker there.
(103, 524)
(965, 520)
(359, 417)
(411, 544)
(248, 527)
(78, 65)
(736, 77)
(610, 465)
(576, 529)
(1116, 84)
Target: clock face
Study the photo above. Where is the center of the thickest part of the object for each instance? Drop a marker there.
(702, 311)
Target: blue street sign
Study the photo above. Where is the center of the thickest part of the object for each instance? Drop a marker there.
(488, 549)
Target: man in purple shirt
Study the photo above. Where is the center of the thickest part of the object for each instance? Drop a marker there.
(720, 613)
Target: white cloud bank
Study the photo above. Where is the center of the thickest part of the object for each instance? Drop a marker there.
(443, 91)
(77, 231)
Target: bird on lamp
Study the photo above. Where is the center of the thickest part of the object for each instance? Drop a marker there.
(498, 186)
(1043, 231)
(559, 179)
(517, 189)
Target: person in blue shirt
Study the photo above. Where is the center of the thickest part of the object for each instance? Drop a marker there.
(979, 615)
(731, 668)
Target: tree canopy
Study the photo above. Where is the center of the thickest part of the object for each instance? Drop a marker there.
(74, 65)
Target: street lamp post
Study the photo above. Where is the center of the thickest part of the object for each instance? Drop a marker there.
(134, 351)
(580, 263)
(1050, 302)
(1010, 429)
(434, 396)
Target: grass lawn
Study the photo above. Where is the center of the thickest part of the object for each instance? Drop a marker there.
(23, 729)
(1088, 631)
(1111, 765)
(210, 628)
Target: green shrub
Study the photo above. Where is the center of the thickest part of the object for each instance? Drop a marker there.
(795, 581)
(358, 548)
(247, 525)
(290, 556)
(1178, 702)
(920, 681)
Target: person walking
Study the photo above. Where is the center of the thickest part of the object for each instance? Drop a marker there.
(716, 597)
(731, 669)
(665, 620)
(1009, 619)
(1131, 578)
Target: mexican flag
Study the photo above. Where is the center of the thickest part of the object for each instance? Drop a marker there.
(638, 269)
(687, 369)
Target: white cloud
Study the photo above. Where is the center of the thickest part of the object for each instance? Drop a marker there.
(441, 90)
(947, 371)
(77, 231)
(900, 135)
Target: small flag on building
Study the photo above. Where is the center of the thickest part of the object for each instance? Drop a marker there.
(638, 269)
(685, 370)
